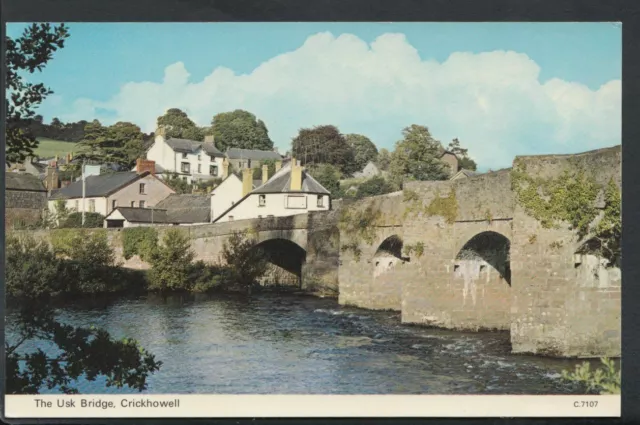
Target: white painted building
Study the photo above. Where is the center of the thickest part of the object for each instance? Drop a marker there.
(290, 191)
(190, 159)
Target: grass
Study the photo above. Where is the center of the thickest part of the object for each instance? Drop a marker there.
(48, 148)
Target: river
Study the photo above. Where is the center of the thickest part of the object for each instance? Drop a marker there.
(295, 344)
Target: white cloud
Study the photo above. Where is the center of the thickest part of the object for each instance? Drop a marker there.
(493, 102)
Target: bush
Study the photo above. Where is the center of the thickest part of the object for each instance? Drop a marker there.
(138, 241)
(74, 220)
(171, 263)
(605, 380)
(374, 186)
(244, 262)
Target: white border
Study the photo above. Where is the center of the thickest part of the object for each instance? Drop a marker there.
(251, 406)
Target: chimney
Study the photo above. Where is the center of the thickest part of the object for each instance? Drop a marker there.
(160, 131)
(143, 165)
(209, 139)
(68, 158)
(52, 181)
(265, 173)
(296, 176)
(247, 181)
(278, 165)
(225, 168)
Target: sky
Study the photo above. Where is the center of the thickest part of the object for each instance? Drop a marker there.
(503, 89)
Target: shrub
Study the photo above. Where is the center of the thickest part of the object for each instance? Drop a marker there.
(604, 380)
(171, 262)
(373, 187)
(138, 241)
(245, 262)
(74, 220)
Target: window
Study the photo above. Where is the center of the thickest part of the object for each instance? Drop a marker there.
(92, 205)
(213, 170)
(199, 168)
(77, 205)
(262, 200)
(185, 167)
(212, 158)
(141, 204)
(199, 157)
(248, 163)
(184, 178)
(184, 156)
(142, 188)
(296, 202)
(230, 218)
(259, 216)
(320, 201)
(114, 204)
(133, 204)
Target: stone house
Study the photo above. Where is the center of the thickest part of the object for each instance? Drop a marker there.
(25, 199)
(451, 160)
(105, 192)
(290, 191)
(464, 174)
(174, 210)
(190, 159)
(370, 170)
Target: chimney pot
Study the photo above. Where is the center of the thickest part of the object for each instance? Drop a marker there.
(225, 168)
(265, 173)
(296, 177)
(247, 181)
(278, 165)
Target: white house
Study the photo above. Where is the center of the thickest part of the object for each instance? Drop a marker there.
(106, 192)
(230, 191)
(190, 159)
(290, 191)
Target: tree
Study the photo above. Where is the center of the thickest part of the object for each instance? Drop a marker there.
(329, 177)
(324, 145)
(383, 160)
(121, 143)
(271, 165)
(33, 274)
(26, 54)
(175, 182)
(178, 124)
(240, 129)
(245, 262)
(463, 157)
(171, 262)
(417, 156)
(373, 187)
(364, 150)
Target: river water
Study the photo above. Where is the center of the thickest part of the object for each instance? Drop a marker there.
(295, 344)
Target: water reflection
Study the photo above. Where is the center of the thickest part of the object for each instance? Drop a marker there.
(283, 343)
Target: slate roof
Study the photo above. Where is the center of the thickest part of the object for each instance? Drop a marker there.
(143, 215)
(254, 154)
(191, 146)
(98, 186)
(466, 173)
(25, 182)
(186, 208)
(281, 183)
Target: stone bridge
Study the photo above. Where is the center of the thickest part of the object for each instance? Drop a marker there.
(460, 254)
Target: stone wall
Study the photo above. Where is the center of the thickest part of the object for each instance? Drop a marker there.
(23, 208)
(557, 309)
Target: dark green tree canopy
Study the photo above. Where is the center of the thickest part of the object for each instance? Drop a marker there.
(27, 54)
(417, 156)
(463, 156)
(178, 124)
(328, 176)
(240, 129)
(384, 159)
(363, 149)
(324, 144)
(122, 143)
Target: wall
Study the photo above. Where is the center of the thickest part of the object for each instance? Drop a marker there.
(155, 191)
(76, 205)
(23, 207)
(275, 205)
(553, 293)
(225, 195)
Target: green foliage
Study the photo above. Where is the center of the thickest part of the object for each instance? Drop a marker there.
(271, 169)
(240, 129)
(177, 123)
(608, 231)
(121, 143)
(363, 148)
(205, 278)
(91, 220)
(532, 238)
(604, 380)
(324, 144)
(175, 182)
(464, 162)
(25, 55)
(409, 195)
(245, 262)
(417, 156)
(569, 198)
(446, 207)
(138, 241)
(418, 248)
(60, 211)
(328, 176)
(383, 159)
(374, 186)
(170, 262)
(359, 225)
(488, 215)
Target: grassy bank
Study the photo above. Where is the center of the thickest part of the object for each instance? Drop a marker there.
(48, 148)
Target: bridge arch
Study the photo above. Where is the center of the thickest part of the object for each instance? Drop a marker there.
(388, 255)
(285, 257)
(485, 249)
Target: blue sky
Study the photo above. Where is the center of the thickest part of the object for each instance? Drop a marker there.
(525, 81)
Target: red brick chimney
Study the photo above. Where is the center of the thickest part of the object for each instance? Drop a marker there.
(143, 165)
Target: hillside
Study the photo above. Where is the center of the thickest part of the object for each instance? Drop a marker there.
(48, 148)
